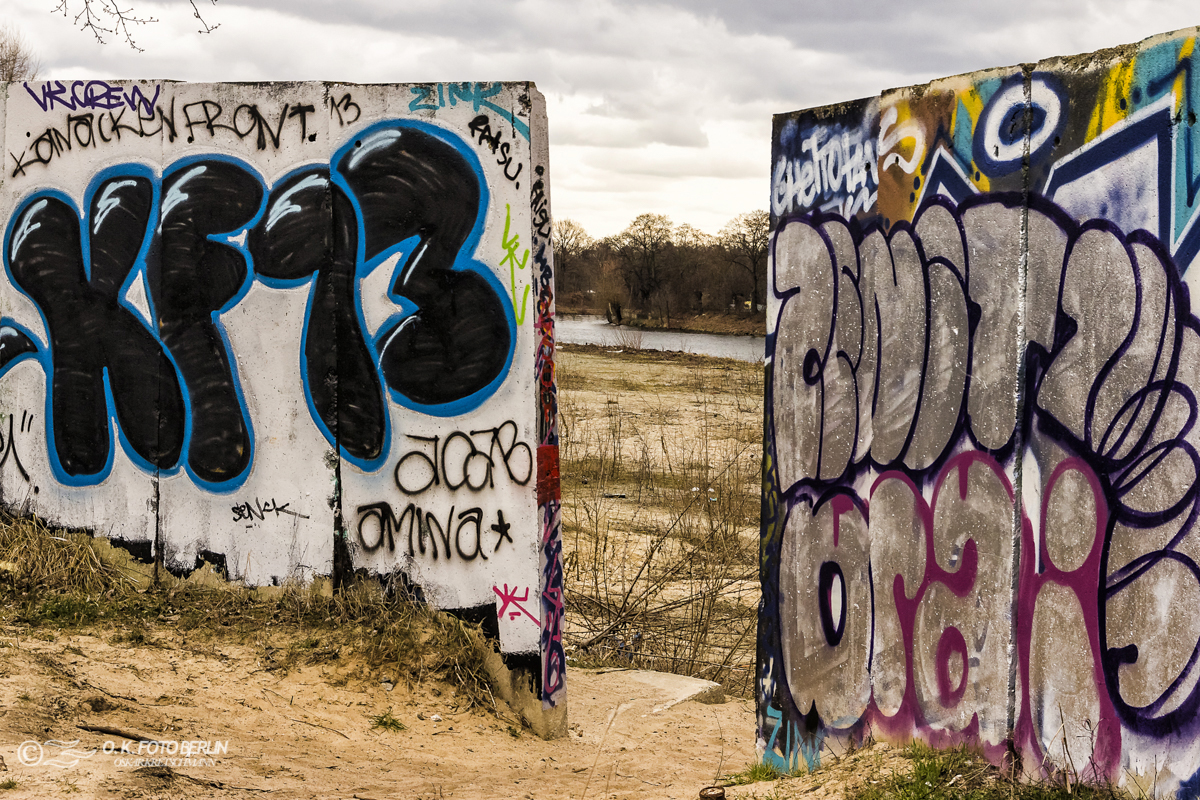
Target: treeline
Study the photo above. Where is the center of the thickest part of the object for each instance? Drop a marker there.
(655, 269)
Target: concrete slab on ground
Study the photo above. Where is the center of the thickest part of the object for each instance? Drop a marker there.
(661, 689)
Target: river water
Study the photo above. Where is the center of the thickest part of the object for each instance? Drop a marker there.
(581, 329)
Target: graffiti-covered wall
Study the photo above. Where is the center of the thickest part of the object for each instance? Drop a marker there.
(983, 447)
(289, 329)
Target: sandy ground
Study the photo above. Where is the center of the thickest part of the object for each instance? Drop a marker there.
(70, 702)
(298, 735)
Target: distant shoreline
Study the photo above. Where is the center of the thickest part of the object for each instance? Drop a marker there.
(709, 322)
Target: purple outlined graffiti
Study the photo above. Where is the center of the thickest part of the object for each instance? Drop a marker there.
(925, 383)
(981, 463)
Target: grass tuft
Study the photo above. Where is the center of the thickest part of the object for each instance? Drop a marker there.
(959, 774)
(755, 773)
(387, 722)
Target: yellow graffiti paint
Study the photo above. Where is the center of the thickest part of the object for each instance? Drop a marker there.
(1108, 110)
(1180, 88)
(972, 102)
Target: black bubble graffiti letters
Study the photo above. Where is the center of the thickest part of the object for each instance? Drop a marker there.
(339, 369)
(191, 275)
(465, 528)
(192, 236)
(459, 461)
(91, 333)
(410, 183)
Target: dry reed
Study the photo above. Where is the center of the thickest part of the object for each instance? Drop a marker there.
(661, 474)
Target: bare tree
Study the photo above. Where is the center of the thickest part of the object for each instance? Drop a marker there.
(17, 61)
(692, 274)
(571, 241)
(744, 240)
(641, 248)
(691, 237)
(107, 18)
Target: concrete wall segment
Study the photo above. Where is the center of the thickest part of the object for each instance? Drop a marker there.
(262, 324)
(1004, 323)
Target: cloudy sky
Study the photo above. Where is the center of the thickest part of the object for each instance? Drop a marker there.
(663, 107)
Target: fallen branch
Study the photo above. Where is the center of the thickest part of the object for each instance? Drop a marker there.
(317, 725)
(136, 737)
(110, 694)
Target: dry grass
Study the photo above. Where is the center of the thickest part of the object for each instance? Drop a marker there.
(627, 338)
(52, 580)
(661, 458)
(34, 556)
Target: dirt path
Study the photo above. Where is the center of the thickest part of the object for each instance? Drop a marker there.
(299, 735)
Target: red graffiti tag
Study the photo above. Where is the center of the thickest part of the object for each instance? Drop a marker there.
(509, 596)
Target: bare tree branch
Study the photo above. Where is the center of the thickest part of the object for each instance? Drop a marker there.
(106, 18)
(571, 241)
(17, 61)
(641, 248)
(196, 13)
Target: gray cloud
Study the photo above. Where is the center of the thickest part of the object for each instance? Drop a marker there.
(663, 102)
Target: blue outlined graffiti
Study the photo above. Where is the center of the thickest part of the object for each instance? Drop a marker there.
(451, 343)
(198, 268)
(1150, 153)
(17, 344)
(292, 247)
(1135, 159)
(1019, 125)
(75, 278)
(198, 236)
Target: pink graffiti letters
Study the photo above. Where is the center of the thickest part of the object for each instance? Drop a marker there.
(919, 376)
